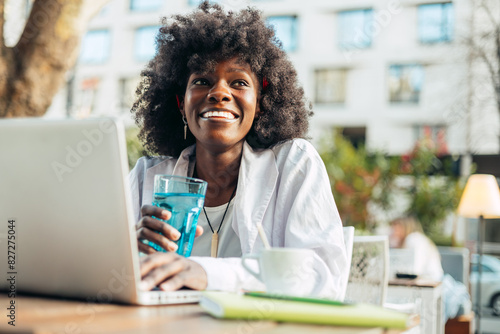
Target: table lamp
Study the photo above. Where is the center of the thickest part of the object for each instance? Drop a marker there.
(481, 199)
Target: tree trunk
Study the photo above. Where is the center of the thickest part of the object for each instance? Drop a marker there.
(33, 71)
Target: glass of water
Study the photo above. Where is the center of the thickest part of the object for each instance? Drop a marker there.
(184, 198)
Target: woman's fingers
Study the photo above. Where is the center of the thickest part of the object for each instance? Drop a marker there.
(159, 274)
(151, 210)
(157, 267)
(152, 229)
(192, 276)
(146, 249)
(157, 259)
(171, 272)
(165, 243)
(199, 231)
(176, 282)
(159, 226)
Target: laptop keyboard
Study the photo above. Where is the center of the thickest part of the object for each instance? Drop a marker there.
(157, 297)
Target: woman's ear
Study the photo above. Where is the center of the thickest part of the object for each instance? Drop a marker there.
(258, 111)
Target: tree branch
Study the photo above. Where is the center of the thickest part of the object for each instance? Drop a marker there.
(46, 50)
(43, 17)
(56, 21)
(479, 51)
(490, 66)
(495, 34)
(487, 9)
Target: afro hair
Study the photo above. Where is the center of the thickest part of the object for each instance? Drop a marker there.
(196, 43)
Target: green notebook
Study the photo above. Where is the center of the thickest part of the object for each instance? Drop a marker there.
(235, 306)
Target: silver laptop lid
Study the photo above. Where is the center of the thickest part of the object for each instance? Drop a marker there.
(64, 184)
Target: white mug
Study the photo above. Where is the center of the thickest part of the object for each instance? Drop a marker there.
(286, 271)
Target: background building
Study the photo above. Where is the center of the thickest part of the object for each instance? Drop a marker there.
(386, 71)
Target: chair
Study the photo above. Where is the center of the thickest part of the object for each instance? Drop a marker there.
(369, 272)
(455, 262)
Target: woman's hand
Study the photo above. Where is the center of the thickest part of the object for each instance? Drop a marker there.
(149, 228)
(171, 272)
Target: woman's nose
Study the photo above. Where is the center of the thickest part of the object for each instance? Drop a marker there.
(219, 92)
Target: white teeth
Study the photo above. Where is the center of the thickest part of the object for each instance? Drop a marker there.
(224, 114)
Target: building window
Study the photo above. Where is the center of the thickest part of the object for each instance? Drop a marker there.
(95, 47)
(405, 83)
(435, 23)
(144, 43)
(330, 85)
(356, 135)
(145, 5)
(432, 136)
(128, 87)
(286, 31)
(355, 29)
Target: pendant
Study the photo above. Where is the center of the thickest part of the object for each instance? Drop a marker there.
(215, 244)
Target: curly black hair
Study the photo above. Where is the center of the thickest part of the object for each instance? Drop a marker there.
(196, 43)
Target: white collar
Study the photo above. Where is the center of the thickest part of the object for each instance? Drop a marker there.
(257, 179)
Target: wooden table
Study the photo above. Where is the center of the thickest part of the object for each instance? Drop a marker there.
(47, 315)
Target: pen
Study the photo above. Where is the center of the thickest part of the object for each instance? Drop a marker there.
(297, 299)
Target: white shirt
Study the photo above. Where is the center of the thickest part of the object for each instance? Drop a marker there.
(427, 259)
(287, 190)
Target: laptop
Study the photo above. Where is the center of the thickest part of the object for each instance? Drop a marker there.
(66, 220)
(401, 263)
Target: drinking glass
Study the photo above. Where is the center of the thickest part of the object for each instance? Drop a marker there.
(184, 198)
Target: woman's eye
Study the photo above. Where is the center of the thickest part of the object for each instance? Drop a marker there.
(240, 83)
(200, 82)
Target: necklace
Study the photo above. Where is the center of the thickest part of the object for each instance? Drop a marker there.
(215, 234)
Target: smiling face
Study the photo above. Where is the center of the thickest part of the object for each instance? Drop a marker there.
(220, 106)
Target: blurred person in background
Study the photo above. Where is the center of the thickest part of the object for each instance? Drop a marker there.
(407, 233)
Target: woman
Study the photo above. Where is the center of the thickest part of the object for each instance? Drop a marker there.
(220, 101)
(406, 232)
